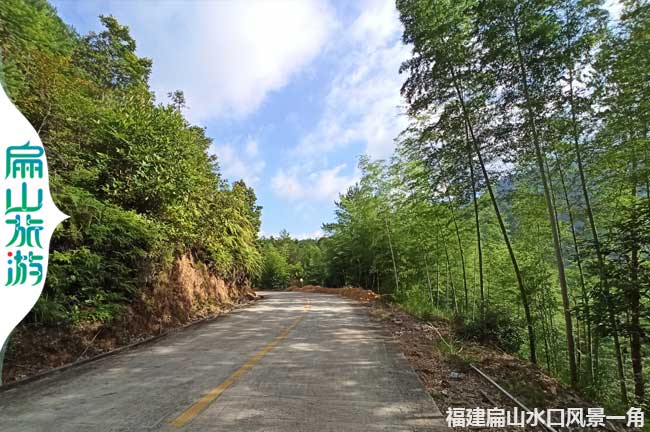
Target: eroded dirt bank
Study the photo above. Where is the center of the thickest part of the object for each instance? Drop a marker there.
(187, 293)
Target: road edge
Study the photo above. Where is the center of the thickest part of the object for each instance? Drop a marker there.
(57, 370)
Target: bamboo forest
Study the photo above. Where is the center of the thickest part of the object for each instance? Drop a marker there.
(517, 200)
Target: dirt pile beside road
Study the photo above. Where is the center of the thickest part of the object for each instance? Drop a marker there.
(352, 293)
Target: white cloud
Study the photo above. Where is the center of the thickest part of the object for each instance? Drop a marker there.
(251, 148)
(362, 107)
(227, 55)
(323, 185)
(310, 235)
(239, 161)
(378, 22)
(316, 234)
(287, 185)
(364, 103)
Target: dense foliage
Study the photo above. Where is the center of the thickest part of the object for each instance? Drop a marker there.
(134, 175)
(290, 262)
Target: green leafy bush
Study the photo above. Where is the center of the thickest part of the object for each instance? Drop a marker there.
(275, 270)
(100, 257)
(496, 327)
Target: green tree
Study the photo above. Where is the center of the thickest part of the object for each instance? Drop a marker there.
(275, 270)
(445, 73)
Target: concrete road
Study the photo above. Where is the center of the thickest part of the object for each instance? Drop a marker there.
(291, 362)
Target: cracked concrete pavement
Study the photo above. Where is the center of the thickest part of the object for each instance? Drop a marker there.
(290, 362)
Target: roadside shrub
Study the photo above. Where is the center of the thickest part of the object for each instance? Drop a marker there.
(495, 327)
(101, 257)
(275, 270)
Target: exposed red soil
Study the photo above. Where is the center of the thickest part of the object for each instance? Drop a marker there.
(187, 293)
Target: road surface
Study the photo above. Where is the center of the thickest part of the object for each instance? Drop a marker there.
(290, 362)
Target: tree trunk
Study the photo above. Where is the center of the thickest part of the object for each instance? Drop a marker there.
(583, 287)
(635, 329)
(450, 281)
(426, 267)
(392, 255)
(477, 223)
(578, 341)
(437, 268)
(634, 300)
(611, 316)
(559, 230)
(462, 258)
(551, 215)
(545, 337)
(504, 232)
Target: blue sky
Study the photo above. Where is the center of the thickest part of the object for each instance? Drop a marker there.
(292, 92)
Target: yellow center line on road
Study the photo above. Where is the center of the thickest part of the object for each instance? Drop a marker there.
(196, 409)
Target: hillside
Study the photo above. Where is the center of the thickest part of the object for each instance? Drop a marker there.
(156, 237)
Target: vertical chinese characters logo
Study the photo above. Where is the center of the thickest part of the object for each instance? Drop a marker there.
(26, 261)
(29, 217)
